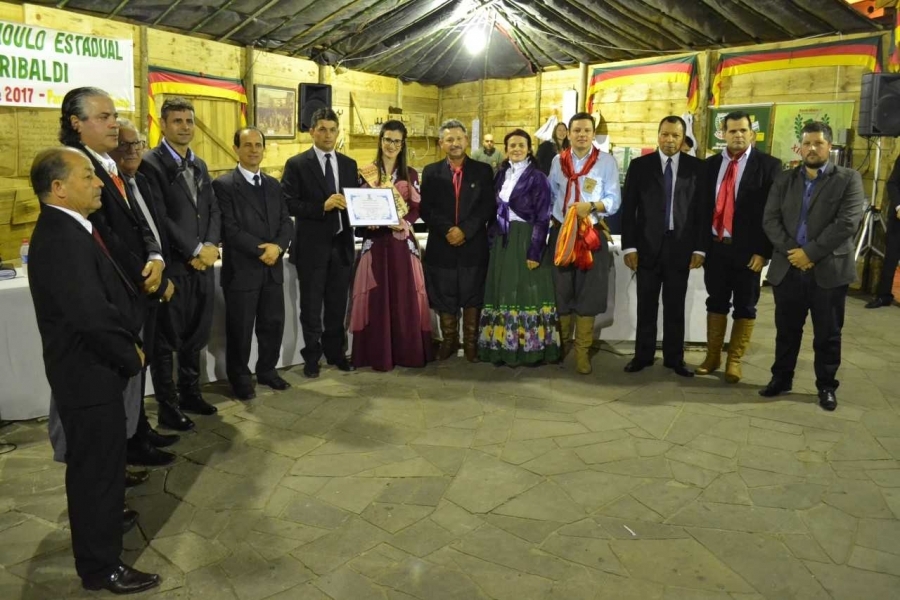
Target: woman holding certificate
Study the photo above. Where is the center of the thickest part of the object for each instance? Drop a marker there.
(519, 320)
(389, 317)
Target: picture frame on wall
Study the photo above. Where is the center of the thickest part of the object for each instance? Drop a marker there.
(276, 111)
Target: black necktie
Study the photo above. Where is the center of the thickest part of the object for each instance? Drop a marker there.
(256, 180)
(329, 185)
(329, 176)
(669, 181)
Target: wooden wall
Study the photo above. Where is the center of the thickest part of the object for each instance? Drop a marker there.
(26, 131)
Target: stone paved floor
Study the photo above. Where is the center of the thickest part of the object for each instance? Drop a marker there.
(476, 482)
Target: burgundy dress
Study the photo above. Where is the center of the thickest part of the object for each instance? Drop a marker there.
(389, 315)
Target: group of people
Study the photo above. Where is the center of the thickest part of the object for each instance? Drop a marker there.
(122, 258)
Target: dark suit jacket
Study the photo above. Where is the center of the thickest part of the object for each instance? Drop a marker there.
(476, 211)
(644, 210)
(187, 224)
(748, 236)
(835, 211)
(125, 232)
(305, 192)
(86, 312)
(247, 223)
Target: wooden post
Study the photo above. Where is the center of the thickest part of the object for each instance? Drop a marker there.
(481, 110)
(582, 86)
(248, 84)
(537, 100)
(705, 61)
(144, 85)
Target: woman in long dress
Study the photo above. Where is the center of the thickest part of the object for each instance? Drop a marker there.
(389, 318)
(547, 150)
(519, 319)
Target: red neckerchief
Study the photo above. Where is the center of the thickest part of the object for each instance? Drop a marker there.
(566, 163)
(457, 183)
(723, 218)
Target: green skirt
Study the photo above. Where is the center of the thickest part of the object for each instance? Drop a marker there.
(519, 323)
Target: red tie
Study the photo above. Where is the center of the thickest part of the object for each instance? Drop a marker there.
(96, 234)
(119, 184)
(457, 187)
(723, 220)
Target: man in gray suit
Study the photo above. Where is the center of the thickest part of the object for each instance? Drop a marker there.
(811, 218)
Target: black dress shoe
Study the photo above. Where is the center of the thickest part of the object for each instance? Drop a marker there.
(879, 301)
(142, 453)
(161, 440)
(124, 580)
(276, 382)
(133, 478)
(129, 520)
(310, 370)
(680, 370)
(635, 365)
(343, 365)
(827, 400)
(774, 388)
(193, 401)
(244, 391)
(171, 416)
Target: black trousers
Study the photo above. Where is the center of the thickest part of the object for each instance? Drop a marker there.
(183, 327)
(672, 279)
(452, 289)
(729, 282)
(264, 308)
(891, 256)
(324, 291)
(95, 484)
(796, 296)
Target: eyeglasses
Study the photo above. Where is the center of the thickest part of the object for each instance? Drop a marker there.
(391, 141)
(124, 146)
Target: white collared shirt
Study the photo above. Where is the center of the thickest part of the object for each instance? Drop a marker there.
(320, 154)
(249, 175)
(723, 168)
(81, 220)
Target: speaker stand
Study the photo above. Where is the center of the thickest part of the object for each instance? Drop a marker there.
(865, 246)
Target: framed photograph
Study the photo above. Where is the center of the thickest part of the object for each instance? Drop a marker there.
(371, 206)
(276, 111)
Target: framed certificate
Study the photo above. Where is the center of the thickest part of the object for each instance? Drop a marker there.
(371, 206)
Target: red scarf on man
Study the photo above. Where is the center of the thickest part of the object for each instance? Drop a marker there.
(567, 165)
(723, 219)
(577, 238)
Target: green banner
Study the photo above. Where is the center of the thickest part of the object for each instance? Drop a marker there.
(760, 120)
(790, 118)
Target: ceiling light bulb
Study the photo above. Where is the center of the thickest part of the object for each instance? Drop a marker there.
(475, 40)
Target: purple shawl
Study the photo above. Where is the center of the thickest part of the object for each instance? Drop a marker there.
(530, 199)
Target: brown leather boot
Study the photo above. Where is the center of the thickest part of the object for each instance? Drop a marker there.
(470, 333)
(584, 337)
(741, 330)
(715, 339)
(565, 335)
(449, 335)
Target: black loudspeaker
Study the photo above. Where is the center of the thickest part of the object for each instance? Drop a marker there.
(879, 105)
(313, 96)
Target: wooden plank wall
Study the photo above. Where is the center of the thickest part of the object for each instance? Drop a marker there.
(26, 131)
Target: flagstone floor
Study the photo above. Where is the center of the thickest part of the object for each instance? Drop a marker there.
(475, 482)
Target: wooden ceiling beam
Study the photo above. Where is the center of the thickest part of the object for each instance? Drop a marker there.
(382, 32)
(212, 16)
(248, 19)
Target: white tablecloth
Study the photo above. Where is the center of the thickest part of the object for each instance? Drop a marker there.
(26, 394)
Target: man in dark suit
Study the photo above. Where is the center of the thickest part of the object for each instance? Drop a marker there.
(256, 230)
(192, 223)
(89, 123)
(88, 316)
(313, 184)
(665, 234)
(884, 294)
(811, 218)
(739, 179)
(457, 204)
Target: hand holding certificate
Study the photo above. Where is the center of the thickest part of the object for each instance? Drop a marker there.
(371, 207)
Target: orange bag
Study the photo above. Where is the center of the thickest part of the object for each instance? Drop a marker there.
(576, 242)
